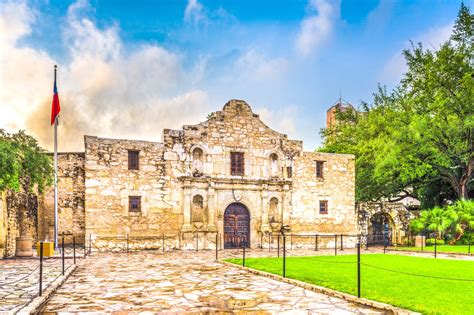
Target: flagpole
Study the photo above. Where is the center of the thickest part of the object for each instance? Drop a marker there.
(56, 244)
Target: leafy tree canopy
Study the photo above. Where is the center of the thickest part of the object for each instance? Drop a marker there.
(417, 139)
(23, 163)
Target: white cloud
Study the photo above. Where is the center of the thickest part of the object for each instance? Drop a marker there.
(194, 12)
(378, 18)
(283, 120)
(432, 39)
(104, 89)
(253, 65)
(317, 27)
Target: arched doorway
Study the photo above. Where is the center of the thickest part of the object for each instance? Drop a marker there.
(380, 230)
(236, 226)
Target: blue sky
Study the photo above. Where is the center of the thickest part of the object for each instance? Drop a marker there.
(131, 68)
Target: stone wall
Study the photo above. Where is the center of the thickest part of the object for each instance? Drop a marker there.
(19, 211)
(71, 203)
(336, 186)
(109, 184)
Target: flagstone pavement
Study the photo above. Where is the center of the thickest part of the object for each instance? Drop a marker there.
(183, 282)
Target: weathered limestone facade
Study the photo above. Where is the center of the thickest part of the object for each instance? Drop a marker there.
(194, 163)
(187, 189)
(71, 192)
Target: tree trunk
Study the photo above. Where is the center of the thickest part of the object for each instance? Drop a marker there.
(464, 180)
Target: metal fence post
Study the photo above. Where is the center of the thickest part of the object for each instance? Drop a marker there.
(243, 256)
(41, 270)
(261, 240)
(316, 243)
(342, 241)
(269, 238)
(197, 242)
(358, 270)
(284, 255)
(62, 254)
(74, 248)
(128, 244)
(422, 242)
(335, 244)
(278, 245)
(435, 241)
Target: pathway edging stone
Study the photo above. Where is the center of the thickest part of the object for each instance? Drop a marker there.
(38, 302)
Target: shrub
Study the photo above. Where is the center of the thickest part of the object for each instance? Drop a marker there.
(430, 241)
(464, 239)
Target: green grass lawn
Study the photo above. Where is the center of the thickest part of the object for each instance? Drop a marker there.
(422, 294)
(439, 248)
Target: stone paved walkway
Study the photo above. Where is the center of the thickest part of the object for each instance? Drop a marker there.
(183, 282)
(19, 282)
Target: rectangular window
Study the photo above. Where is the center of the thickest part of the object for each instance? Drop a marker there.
(237, 163)
(134, 203)
(289, 171)
(319, 169)
(323, 207)
(133, 159)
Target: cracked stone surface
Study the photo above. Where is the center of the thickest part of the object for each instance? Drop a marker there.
(19, 282)
(184, 282)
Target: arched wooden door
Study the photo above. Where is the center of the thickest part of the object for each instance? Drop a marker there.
(236, 226)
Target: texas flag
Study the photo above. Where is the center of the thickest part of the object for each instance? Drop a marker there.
(56, 108)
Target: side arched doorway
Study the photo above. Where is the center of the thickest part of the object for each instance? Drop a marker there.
(236, 226)
(380, 230)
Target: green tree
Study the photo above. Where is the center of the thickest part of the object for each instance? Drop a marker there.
(418, 138)
(23, 163)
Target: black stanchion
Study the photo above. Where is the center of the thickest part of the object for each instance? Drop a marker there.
(342, 242)
(335, 244)
(128, 244)
(316, 242)
(197, 242)
(41, 270)
(278, 246)
(62, 254)
(358, 270)
(243, 256)
(422, 242)
(261, 240)
(435, 241)
(217, 245)
(74, 248)
(284, 256)
(163, 243)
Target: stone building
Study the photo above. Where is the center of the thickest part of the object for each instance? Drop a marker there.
(230, 176)
(382, 221)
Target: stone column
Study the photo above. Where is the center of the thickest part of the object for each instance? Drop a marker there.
(210, 206)
(264, 209)
(286, 205)
(186, 208)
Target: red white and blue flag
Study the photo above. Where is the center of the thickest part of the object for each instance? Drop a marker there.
(56, 108)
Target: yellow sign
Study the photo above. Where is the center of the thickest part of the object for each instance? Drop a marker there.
(48, 249)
